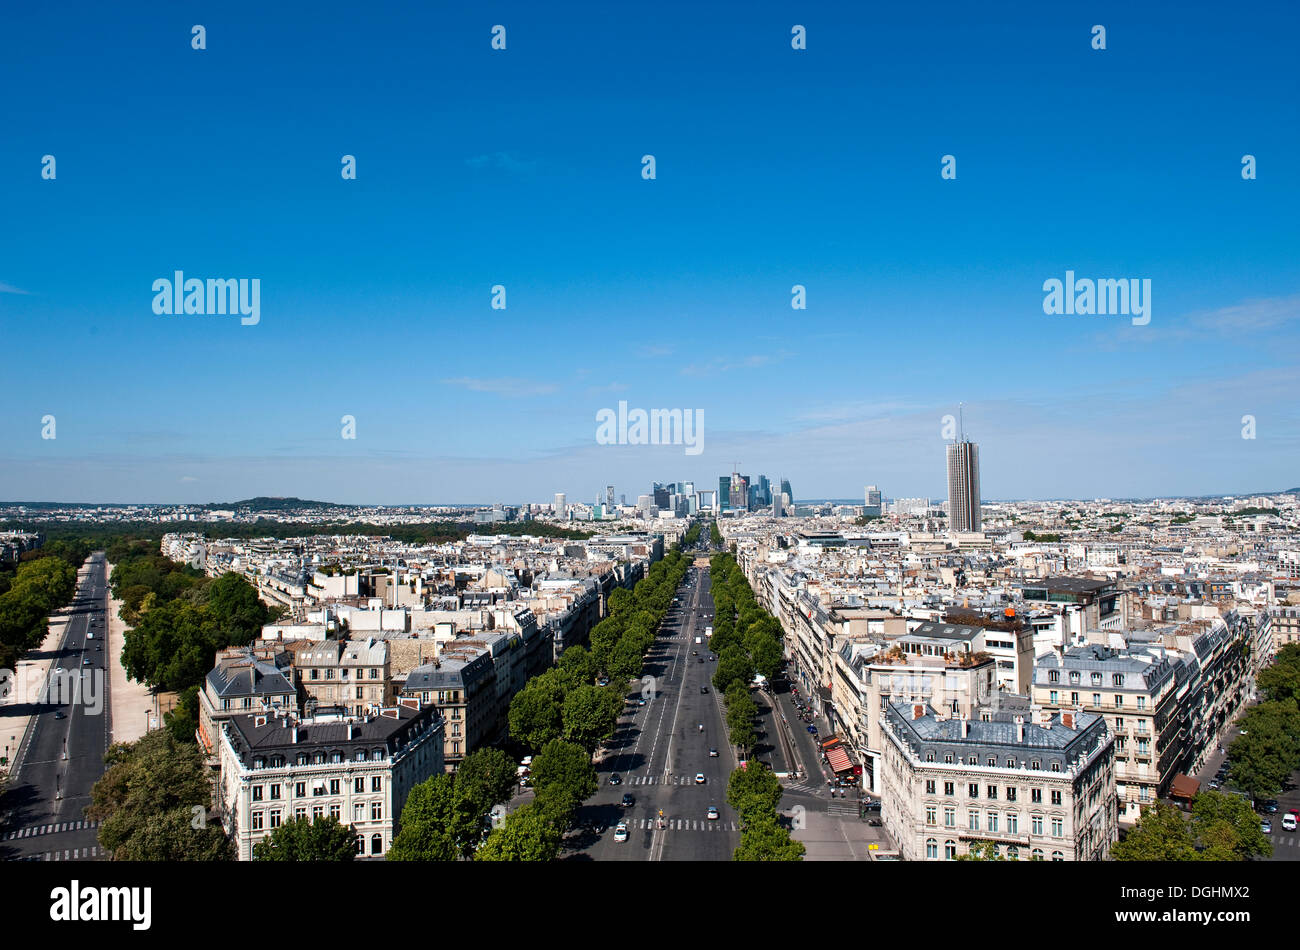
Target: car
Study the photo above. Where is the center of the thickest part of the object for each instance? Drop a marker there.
(59, 671)
(699, 778)
(525, 781)
(87, 662)
(526, 761)
(60, 714)
(628, 800)
(701, 659)
(1266, 826)
(98, 648)
(712, 813)
(1288, 822)
(1270, 806)
(641, 701)
(1216, 785)
(620, 831)
(712, 659)
(713, 753)
(812, 729)
(695, 653)
(614, 779)
(704, 689)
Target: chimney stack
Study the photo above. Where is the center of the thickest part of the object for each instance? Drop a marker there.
(918, 711)
(1020, 728)
(965, 726)
(295, 735)
(1067, 719)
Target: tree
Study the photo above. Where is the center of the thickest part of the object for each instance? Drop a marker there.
(1161, 834)
(436, 804)
(753, 792)
(982, 851)
(421, 841)
(526, 835)
(302, 839)
(590, 715)
(581, 663)
(764, 840)
(536, 712)
(1228, 828)
(147, 797)
(487, 777)
(183, 721)
(234, 605)
(564, 766)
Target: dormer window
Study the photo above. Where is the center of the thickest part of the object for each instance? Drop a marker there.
(1074, 676)
(1053, 676)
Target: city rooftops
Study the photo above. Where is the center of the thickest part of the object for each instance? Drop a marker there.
(386, 732)
(1071, 585)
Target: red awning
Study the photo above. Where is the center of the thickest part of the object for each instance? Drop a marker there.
(839, 759)
(1184, 786)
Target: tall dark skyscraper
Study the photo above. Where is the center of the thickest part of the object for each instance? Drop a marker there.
(963, 486)
(785, 487)
(724, 492)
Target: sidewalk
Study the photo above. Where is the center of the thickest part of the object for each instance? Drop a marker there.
(17, 708)
(131, 704)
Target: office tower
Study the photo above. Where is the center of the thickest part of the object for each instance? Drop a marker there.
(785, 487)
(739, 491)
(724, 492)
(910, 506)
(609, 496)
(688, 488)
(661, 496)
(764, 491)
(561, 509)
(872, 499)
(963, 486)
(776, 505)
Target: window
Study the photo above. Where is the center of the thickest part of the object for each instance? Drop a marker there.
(1096, 679)
(359, 785)
(316, 812)
(993, 761)
(376, 844)
(1036, 824)
(361, 694)
(1013, 823)
(931, 849)
(1036, 854)
(992, 819)
(275, 791)
(1119, 723)
(1096, 699)
(1053, 676)
(1056, 766)
(973, 790)
(929, 786)
(336, 757)
(335, 811)
(334, 786)
(1074, 699)
(1011, 763)
(929, 757)
(1074, 676)
(1011, 793)
(257, 821)
(948, 789)
(1056, 796)
(1013, 853)
(329, 674)
(275, 818)
(1036, 796)
(973, 820)
(1144, 746)
(1117, 679)
(376, 783)
(1035, 765)
(1058, 828)
(358, 811)
(931, 814)
(947, 758)
(991, 792)
(315, 674)
(257, 793)
(950, 817)
(973, 760)
(300, 811)
(376, 811)
(1119, 701)
(1054, 697)
(1057, 856)
(361, 844)
(374, 674)
(950, 851)
(1142, 702)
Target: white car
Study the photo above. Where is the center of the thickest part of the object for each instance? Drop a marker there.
(1288, 822)
(699, 778)
(713, 813)
(620, 831)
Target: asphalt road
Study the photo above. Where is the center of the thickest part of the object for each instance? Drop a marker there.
(63, 757)
(659, 748)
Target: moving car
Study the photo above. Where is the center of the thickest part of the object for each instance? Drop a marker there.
(704, 689)
(60, 714)
(1288, 821)
(628, 800)
(641, 701)
(713, 813)
(699, 778)
(614, 779)
(620, 831)
(713, 753)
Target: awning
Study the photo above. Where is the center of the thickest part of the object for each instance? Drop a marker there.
(1184, 786)
(839, 760)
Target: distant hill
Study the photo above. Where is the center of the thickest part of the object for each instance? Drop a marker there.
(264, 503)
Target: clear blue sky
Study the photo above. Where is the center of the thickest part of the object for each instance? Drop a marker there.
(775, 167)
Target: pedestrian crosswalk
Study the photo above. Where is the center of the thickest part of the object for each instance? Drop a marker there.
(659, 780)
(1290, 841)
(68, 854)
(37, 830)
(684, 824)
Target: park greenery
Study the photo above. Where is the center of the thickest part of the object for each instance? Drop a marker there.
(44, 580)
(1263, 757)
(152, 802)
(448, 816)
(1221, 828)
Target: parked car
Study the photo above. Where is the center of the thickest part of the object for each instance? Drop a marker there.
(1288, 822)
(1266, 826)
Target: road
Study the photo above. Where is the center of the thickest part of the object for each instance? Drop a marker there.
(659, 748)
(63, 754)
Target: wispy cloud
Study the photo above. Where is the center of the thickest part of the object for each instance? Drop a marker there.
(724, 364)
(505, 161)
(503, 386)
(655, 349)
(11, 289)
(1257, 314)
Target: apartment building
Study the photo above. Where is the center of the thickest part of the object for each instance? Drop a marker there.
(358, 770)
(462, 687)
(354, 674)
(1039, 792)
(1098, 600)
(1012, 650)
(245, 680)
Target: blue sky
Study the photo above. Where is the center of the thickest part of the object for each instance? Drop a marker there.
(522, 168)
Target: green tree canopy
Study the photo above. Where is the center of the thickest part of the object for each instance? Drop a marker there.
(302, 839)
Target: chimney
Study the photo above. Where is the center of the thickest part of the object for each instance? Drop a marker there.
(1067, 720)
(918, 711)
(295, 735)
(1020, 728)
(965, 726)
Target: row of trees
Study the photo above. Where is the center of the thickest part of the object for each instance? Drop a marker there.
(715, 535)
(755, 794)
(1222, 828)
(1268, 749)
(43, 582)
(746, 638)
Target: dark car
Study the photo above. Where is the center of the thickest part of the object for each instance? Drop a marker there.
(60, 714)
(628, 800)
(704, 689)
(1269, 806)
(614, 779)
(812, 729)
